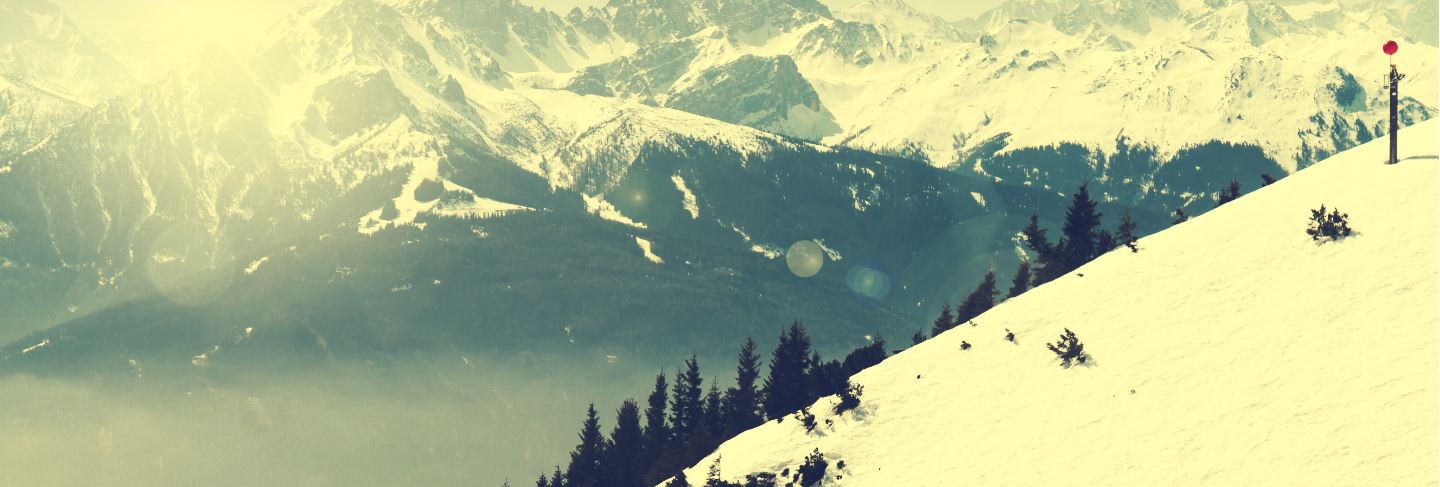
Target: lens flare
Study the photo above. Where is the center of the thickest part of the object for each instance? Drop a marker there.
(805, 258)
(868, 282)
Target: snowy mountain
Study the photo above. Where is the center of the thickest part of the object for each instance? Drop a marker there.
(31, 112)
(882, 75)
(39, 41)
(380, 180)
(1230, 349)
(1277, 86)
(1259, 91)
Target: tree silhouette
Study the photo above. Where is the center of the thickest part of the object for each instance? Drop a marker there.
(1125, 234)
(622, 459)
(944, 322)
(1229, 194)
(786, 388)
(1082, 237)
(978, 301)
(585, 460)
(656, 439)
(742, 402)
(1021, 282)
(686, 408)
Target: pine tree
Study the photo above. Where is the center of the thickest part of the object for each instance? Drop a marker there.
(864, 357)
(558, 479)
(656, 439)
(786, 386)
(679, 480)
(713, 479)
(978, 301)
(714, 417)
(825, 378)
(945, 322)
(1048, 263)
(1035, 237)
(622, 459)
(542, 481)
(1266, 180)
(1104, 242)
(585, 460)
(1021, 282)
(1229, 194)
(1082, 237)
(742, 402)
(1125, 234)
(712, 424)
(918, 337)
(686, 407)
(1180, 216)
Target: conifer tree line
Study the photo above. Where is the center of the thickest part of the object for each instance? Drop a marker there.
(684, 421)
(1082, 239)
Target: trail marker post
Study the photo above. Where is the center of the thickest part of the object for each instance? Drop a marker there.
(1392, 82)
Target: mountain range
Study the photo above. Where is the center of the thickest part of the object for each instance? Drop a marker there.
(619, 185)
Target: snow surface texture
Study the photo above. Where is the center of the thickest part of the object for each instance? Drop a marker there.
(1231, 350)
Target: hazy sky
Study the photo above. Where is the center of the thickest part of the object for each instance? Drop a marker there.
(149, 34)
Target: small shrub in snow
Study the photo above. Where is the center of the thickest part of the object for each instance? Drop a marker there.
(813, 470)
(1267, 179)
(1332, 226)
(849, 397)
(964, 345)
(1009, 336)
(806, 419)
(713, 479)
(1180, 216)
(1069, 349)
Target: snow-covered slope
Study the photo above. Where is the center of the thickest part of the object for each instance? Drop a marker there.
(1231, 350)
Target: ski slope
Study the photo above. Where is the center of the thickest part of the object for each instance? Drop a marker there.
(1231, 350)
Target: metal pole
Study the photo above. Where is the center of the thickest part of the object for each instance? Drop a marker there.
(1394, 113)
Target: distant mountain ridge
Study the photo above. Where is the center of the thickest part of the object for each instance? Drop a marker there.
(39, 41)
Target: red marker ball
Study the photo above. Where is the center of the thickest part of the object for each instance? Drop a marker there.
(1391, 47)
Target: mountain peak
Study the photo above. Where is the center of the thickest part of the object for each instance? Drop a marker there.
(900, 17)
(39, 40)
